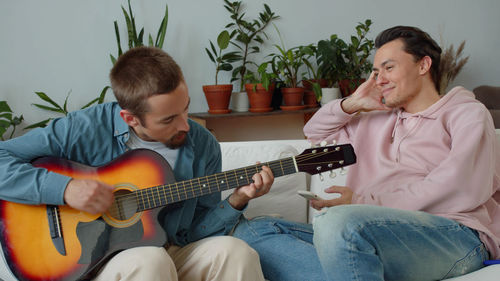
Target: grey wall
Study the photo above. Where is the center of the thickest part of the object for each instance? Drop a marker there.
(57, 46)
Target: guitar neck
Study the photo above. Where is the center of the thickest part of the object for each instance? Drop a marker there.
(162, 195)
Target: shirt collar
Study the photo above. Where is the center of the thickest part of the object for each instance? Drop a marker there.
(120, 126)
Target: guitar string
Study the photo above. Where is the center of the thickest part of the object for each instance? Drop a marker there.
(212, 182)
(177, 193)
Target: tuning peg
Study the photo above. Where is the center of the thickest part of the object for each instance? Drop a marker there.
(332, 174)
(334, 142)
(343, 171)
(321, 178)
(323, 143)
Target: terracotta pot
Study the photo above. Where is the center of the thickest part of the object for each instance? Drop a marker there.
(292, 96)
(347, 88)
(218, 97)
(310, 99)
(260, 98)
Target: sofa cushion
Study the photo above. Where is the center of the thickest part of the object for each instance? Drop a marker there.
(282, 200)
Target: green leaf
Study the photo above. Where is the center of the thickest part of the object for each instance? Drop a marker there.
(226, 67)
(46, 98)
(41, 124)
(44, 107)
(150, 41)
(4, 123)
(223, 40)
(130, 32)
(210, 55)
(139, 39)
(214, 50)
(117, 34)
(65, 107)
(103, 94)
(162, 30)
(4, 107)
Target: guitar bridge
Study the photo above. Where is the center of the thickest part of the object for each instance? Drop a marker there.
(54, 221)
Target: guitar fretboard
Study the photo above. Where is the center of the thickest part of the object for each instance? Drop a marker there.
(163, 195)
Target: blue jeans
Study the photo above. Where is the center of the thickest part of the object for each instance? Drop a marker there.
(285, 248)
(362, 242)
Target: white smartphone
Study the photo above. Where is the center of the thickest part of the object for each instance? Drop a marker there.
(308, 195)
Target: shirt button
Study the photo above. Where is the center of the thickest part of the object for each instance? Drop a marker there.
(221, 206)
(126, 135)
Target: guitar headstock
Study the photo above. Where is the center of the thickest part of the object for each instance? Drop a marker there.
(321, 159)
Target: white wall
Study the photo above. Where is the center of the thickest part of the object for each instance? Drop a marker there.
(57, 46)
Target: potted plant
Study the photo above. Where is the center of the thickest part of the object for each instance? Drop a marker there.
(286, 65)
(260, 88)
(248, 37)
(356, 64)
(330, 65)
(218, 96)
(313, 80)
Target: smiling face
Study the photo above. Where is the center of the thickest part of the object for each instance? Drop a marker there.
(399, 77)
(166, 118)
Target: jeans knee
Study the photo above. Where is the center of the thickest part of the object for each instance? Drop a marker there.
(338, 224)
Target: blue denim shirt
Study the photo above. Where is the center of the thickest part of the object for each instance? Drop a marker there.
(94, 137)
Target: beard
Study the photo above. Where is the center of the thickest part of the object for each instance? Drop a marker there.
(177, 140)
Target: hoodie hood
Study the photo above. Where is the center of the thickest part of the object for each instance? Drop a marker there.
(456, 96)
(409, 123)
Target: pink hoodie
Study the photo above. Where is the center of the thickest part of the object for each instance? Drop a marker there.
(444, 160)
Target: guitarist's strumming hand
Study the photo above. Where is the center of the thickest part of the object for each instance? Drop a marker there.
(87, 195)
(261, 185)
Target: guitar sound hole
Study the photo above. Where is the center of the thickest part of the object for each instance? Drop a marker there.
(125, 205)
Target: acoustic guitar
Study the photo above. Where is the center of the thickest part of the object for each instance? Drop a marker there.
(47, 242)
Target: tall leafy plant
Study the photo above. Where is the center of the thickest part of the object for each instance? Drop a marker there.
(248, 36)
(287, 62)
(135, 39)
(356, 53)
(53, 106)
(222, 61)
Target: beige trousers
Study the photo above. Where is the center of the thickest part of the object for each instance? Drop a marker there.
(221, 258)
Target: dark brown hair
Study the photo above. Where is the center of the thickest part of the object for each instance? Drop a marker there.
(143, 72)
(417, 43)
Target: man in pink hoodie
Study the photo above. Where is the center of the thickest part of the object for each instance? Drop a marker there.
(422, 201)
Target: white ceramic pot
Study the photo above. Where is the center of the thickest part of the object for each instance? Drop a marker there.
(329, 94)
(239, 102)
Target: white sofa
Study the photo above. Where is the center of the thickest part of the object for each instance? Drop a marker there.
(283, 199)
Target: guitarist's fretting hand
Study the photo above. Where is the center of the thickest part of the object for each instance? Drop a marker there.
(90, 196)
(261, 185)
